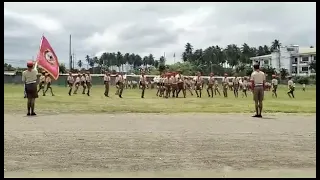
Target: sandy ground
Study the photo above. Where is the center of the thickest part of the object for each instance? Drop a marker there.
(159, 145)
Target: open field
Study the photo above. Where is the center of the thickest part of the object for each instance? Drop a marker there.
(153, 145)
(305, 102)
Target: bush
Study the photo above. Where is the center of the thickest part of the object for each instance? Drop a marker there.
(302, 80)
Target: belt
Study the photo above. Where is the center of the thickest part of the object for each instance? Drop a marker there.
(31, 82)
(257, 85)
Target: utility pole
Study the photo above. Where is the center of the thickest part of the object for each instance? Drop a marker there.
(70, 55)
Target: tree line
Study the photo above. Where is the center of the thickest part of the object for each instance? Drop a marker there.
(212, 58)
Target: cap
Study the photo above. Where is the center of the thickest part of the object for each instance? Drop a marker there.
(30, 63)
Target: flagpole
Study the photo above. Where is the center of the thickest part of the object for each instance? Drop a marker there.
(174, 58)
(36, 64)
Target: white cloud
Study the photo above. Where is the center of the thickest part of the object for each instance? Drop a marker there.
(40, 21)
(154, 27)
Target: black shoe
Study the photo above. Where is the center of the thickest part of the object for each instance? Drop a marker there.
(33, 114)
(52, 94)
(28, 114)
(69, 94)
(43, 95)
(256, 115)
(120, 96)
(25, 97)
(142, 97)
(88, 94)
(259, 116)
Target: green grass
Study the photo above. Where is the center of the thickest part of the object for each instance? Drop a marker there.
(305, 102)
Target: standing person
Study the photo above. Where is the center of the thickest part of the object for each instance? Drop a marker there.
(42, 82)
(180, 85)
(117, 83)
(244, 87)
(77, 83)
(29, 78)
(216, 87)
(48, 82)
(188, 84)
(70, 81)
(290, 87)
(303, 87)
(198, 85)
(274, 85)
(120, 85)
(142, 82)
(106, 80)
(88, 82)
(174, 85)
(210, 85)
(167, 85)
(225, 84)
(83, 83)
(236, 85)
(258, 80)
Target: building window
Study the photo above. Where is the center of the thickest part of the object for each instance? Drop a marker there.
(294, 69)
(295, 61)
(305, 59)
(304, 69)
(266, 62)
(314, 58)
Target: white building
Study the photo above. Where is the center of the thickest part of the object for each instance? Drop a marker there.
(293, 58)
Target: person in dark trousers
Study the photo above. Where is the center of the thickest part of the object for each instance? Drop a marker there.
(29, 78)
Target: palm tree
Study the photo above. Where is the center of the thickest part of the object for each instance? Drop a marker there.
(119, 59)
(88, 59)
(145, 61)
(80, 64)
(151, 60)
(275, 45)
(162, 60)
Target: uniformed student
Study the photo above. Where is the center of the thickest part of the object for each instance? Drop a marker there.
(48, 83)
(77, 83)
(106, 80)
(188, 84)
(142, 83)
(120, 82)
(180, 84)
(42, 82)
(70, 82)
(167, 84)
(274, 85)
(258, 80)
(244, 87)
(290, 87)
(198, 85)
(174, 85)
(88, 82)
(210, 85)
(83, 83)
(303, 87)
(225, 84)
(216, 87)
(236, 85)
(29, 78)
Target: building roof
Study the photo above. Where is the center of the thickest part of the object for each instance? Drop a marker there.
(303, 50)
(261, 57)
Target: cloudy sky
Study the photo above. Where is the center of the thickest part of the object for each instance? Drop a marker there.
(152, 27)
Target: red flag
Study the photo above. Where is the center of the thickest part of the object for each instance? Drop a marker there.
(47, 59)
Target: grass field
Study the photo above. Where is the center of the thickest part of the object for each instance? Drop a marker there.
(305, 102)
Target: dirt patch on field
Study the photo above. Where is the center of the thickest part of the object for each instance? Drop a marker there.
(133, 143)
